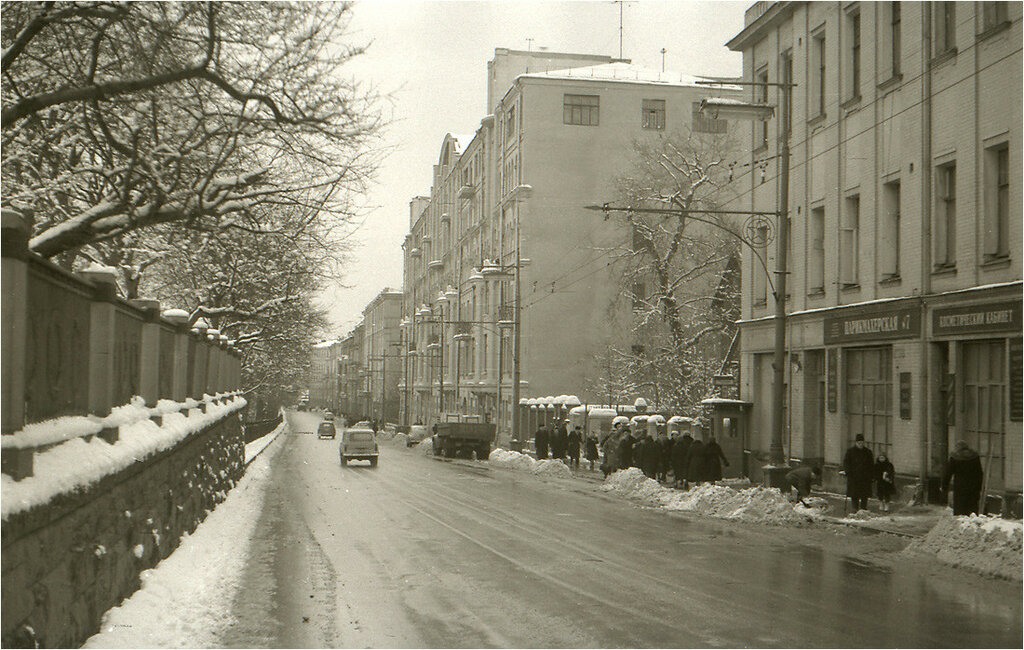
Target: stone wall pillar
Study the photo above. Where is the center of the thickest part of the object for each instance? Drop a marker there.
(179, 384)
(202, 354)
(15, 318)
(149, 361)
(101, 340)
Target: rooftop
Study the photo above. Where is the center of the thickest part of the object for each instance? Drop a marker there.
(625, 72)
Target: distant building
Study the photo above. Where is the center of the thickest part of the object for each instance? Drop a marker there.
(382, 355)
(324, 372)
(905, 204)
(516, 189)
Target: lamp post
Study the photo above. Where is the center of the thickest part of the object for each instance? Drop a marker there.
(776, 469)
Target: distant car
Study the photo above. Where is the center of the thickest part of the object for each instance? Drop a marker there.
(357, 443)
(325, 430)
(417, 434)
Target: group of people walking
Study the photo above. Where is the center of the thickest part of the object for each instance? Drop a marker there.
(687, 460)
(560, 443)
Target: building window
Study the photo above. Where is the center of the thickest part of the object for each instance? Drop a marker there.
(581, 110)
(816, 257)
(994, 14)
(853, 67)
(895, 37)
(997, 202)
(945, 217)
(703, 124)
(849, 242)
(761, 97)
(760, 283)
(889, 244)
(818, 72)
(652, 114)
(510, 124)
(944, 27)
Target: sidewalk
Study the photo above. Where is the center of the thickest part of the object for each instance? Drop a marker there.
(907, 520)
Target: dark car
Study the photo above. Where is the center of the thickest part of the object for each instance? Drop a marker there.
(325, 430)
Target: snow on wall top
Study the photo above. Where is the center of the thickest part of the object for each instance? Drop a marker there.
(76, 464)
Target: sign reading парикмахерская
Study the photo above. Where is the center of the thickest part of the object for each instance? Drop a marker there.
(874, 325)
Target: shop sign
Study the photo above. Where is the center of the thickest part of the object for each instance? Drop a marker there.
(974, 319)
(873, 325)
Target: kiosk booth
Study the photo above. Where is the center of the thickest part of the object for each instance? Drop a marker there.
(730, 420)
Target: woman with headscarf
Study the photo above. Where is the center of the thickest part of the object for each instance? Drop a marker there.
(885, 480)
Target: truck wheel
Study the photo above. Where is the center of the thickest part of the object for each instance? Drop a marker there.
(484, 452)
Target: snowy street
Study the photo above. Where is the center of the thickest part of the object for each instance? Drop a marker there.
(426, 553)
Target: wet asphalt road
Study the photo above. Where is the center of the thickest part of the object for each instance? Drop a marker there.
(420, 552)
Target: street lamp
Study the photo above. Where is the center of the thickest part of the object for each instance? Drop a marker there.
(776, 469)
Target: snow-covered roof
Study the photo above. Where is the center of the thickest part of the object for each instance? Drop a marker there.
(624, 72)
(711, 401)
(326, 344)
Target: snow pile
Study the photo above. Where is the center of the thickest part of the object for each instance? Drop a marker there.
(426, 446)
(551, 467)
(401, 439)
(512, 460)
(751, 504)
(988, 545)
(184, 601)
(76, 463)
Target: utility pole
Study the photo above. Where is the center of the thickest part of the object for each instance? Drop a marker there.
(663, 59)
(621, 4)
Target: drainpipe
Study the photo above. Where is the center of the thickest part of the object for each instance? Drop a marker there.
(926, 221)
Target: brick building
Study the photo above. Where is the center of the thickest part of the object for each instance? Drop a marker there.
(905, 206)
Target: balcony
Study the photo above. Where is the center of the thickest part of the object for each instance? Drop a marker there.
(435, 265)
(467, 191)
(445, 217)
(427, 239)
(415, 252)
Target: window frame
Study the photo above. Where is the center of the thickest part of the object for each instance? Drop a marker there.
(588, 115)
(819, 72)
(997, 201)
(649, 108)
(849, 242)
(944, 220)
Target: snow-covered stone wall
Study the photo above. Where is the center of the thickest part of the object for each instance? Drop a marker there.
(67, 560)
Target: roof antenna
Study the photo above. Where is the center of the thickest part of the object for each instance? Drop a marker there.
(529, 45)
(663, 59)
(621, 4)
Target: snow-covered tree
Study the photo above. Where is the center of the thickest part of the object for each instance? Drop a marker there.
(680, 269)
(119, 117)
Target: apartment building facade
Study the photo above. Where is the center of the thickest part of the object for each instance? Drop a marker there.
(324, 375)
(510, 199)
(382, 355)
(904, 298)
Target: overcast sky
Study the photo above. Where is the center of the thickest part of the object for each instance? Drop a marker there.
(431, 58)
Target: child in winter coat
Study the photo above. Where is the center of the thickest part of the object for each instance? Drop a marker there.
(885, 480)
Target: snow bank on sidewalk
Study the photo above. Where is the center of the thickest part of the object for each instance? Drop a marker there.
(401, 439)
(256, 447)
(185, 601)
(988, 545)
(758, 504)
(426, 446)
(77, 463)
(523, 463)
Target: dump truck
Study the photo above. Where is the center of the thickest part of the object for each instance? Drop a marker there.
(461, 439)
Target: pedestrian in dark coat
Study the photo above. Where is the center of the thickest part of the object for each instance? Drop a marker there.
(540, 442)
(802, 478)
(610, 448)
(625, 451)
(591, 450)
(964, 469)
(713, 459)
(680, 455)
(650, 457)
(695, 463)
(859, 466)
(885, 481)
(664, 456)
(575, 439)
(559, 441)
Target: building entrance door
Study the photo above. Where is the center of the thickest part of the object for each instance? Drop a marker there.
(868, 397)
(984, 380)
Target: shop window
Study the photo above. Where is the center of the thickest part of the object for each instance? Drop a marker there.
(868, 397)
(984, 386)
